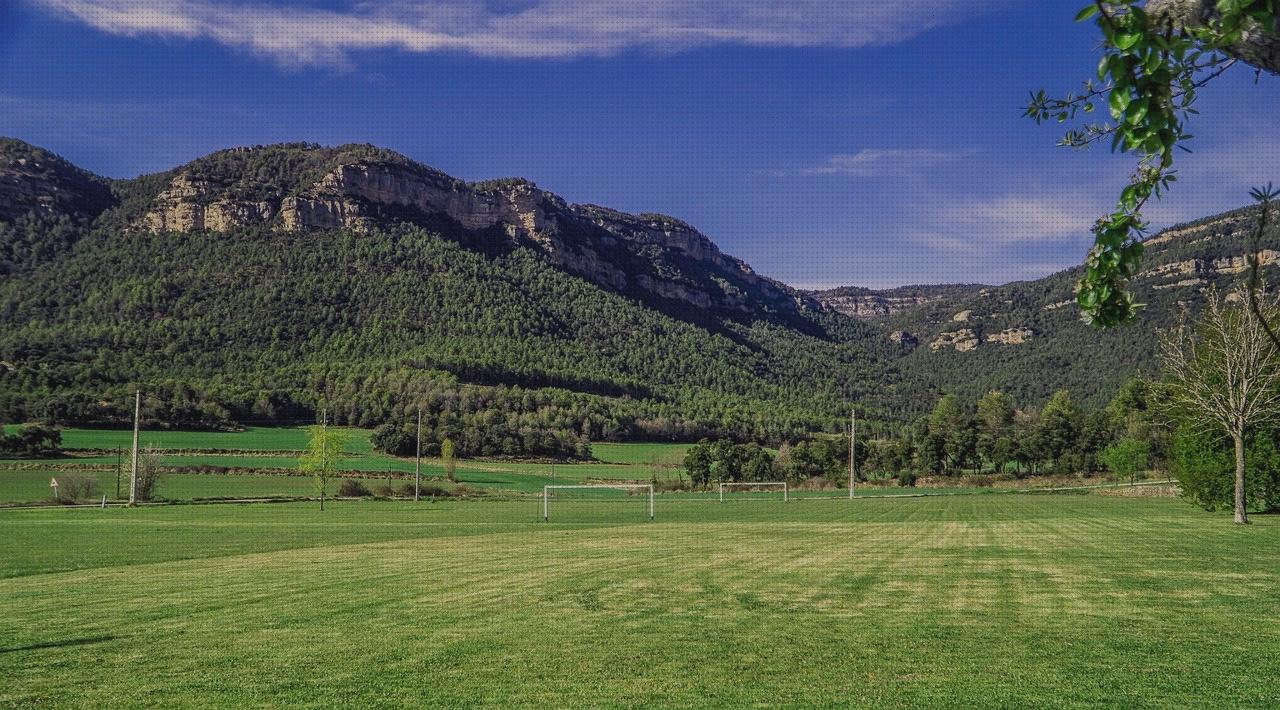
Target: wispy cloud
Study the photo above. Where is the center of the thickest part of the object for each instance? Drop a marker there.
(295, 35)
(878, 162)
(1008, 221)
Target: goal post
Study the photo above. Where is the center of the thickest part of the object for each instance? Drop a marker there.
(756, 484)
(546, 494)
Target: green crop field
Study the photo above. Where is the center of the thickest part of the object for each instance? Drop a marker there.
(251, 439)
(954, 601)
(656, 453)
(274, 450)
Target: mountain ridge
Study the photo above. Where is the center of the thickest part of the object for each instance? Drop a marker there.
(299, 210)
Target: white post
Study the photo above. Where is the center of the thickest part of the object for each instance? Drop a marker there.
(133, 472)
(722, 492)
(545, 492)
(324, 452)
(784, 491)
(651, 502)
(853, 443)
(417, 461)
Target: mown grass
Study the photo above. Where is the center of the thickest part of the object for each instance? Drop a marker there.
(32, 486)
(963, 601)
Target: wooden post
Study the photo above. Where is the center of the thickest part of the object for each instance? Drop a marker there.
(133, 472)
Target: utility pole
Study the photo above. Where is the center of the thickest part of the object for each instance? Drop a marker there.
(853, 444)
(119, 457)
(417, 460)
(133, 472)
(324, 452)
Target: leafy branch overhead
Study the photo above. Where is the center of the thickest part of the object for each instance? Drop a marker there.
(1155, 60)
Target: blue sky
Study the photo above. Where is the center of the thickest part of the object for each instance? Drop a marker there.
(826, 142)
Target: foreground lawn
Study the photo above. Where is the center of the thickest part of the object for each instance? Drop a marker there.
(952, 601)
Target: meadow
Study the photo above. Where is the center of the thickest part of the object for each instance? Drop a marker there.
(953, 601)
(271, 453)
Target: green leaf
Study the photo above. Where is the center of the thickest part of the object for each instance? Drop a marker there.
(1119, 102)
(1137, 111)
(1086, 13)
(1126, 40)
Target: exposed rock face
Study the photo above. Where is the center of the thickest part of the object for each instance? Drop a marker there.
(591, 241)
(962, 340)
(35, 181)
(1208, 268)
(872, 304)
(963, 316)
(1011, 336)
(182, 208)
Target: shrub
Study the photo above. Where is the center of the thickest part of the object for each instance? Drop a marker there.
(384, 491)
(906, 478)
(1126, 457)
(352, 488)
(148, 474)
(393, 440)
(74, 487)
(1204, 465)
(31, 441)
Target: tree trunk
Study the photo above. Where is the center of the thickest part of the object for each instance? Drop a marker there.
(1242, 516)
(1259, 46)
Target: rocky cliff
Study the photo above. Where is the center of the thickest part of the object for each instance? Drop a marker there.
(35, 181)
(358, 188)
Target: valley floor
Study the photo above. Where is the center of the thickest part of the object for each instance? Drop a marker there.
(955, 601)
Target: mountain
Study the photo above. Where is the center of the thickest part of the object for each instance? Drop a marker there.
(33, 180)
(264, 283)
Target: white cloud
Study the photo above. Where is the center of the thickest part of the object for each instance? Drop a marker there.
(981, 225)
(294, 35)
(878, 162)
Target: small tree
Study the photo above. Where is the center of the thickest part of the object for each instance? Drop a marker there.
(1059, 430)
(1125, 457)
(450, 461)
(1224, 375)
(323, 455)
(995, 422)
(148, 474)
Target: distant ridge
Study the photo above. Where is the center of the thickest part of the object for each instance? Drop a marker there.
(260, 275)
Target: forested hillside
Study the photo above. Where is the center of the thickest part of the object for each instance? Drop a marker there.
(264, 284)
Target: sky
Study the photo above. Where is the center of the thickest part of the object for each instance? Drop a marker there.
(870, 143)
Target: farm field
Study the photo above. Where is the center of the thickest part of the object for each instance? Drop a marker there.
(274, 450)
(959, 601)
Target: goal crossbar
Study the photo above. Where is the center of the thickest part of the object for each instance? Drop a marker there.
(757, 484)
(546, 493)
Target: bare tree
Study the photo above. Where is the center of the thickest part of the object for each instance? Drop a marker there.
(1224, 373)
(149, 473)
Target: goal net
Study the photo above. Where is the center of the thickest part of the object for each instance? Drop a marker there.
(756, 486)
(591, 494)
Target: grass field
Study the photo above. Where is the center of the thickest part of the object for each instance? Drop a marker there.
(274, 449)
(958, 601)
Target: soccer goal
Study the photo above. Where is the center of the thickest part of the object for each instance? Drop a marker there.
(546, 494)
(756, 484)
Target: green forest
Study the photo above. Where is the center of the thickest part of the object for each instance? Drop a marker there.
(500, 348)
